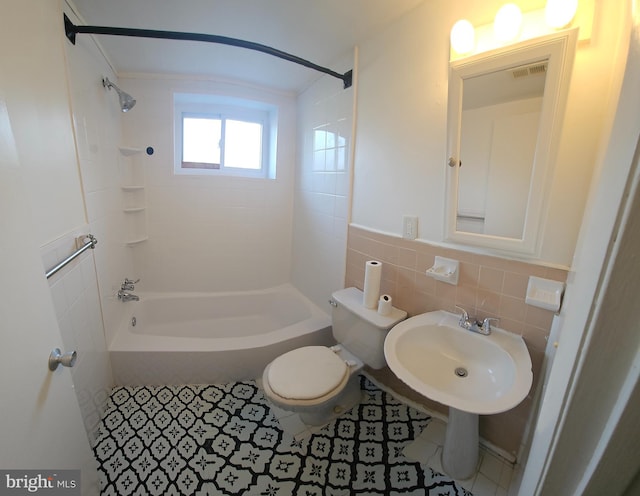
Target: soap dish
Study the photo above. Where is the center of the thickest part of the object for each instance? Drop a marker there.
(544, 293)
(445, 270)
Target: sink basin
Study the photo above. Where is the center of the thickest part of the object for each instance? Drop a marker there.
(470, 372)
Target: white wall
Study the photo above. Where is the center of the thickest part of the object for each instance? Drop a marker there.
(98, 130)
(401, 142)
(580, 446)
(41, 201)
(42, 120)
(209, 233)
(321, 197)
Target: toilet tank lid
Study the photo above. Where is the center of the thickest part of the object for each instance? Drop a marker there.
(353, 300)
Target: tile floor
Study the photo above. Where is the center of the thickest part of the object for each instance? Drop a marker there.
(227, 439)
(492, 478)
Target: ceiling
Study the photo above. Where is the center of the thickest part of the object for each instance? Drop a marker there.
(321, 31)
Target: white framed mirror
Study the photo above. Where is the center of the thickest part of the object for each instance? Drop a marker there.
(505, 115)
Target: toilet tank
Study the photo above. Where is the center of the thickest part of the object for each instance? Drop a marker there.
(361, 330)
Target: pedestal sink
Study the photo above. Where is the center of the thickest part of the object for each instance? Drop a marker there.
(471, 373)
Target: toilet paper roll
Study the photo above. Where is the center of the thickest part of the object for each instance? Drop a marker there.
(372, 275)
(384, 305)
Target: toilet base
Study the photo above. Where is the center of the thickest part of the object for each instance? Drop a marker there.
(345, 401)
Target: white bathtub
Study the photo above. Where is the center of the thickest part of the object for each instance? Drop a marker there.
(209, 338)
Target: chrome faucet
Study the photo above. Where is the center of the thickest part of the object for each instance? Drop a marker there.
(128, 284)
(473, 325)
(125, 296)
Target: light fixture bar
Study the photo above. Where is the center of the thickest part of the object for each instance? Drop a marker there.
(71, 30)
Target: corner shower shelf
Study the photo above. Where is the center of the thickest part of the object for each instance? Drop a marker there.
(137, 241)
(133, 195)
(128, 151)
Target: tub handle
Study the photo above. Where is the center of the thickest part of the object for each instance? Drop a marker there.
(128, 284)
(333, 302)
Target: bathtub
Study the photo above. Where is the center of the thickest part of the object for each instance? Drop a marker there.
(212, 338)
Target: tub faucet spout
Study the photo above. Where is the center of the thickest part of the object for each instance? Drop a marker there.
(125, 296)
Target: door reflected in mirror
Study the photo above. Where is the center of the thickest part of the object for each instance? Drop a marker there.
(504, 119)
(499, 132)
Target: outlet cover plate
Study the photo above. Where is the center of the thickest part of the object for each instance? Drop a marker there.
(409, 227)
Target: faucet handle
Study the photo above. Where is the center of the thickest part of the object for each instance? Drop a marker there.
(465, 316)
(486, 323)
(128, 284)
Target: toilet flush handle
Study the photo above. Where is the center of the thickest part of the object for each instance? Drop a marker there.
(333, 302)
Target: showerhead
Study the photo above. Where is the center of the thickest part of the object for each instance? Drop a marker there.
(126, 100)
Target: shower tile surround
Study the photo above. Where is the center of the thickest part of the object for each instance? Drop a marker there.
(488, 287)
(74, 292)
(238, 229)
(321, 191)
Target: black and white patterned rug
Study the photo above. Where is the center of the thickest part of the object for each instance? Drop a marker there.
(224, 440)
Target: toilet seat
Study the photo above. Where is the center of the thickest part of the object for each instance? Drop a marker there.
(307, 373)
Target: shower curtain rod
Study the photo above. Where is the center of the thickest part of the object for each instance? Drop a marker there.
(71, 30)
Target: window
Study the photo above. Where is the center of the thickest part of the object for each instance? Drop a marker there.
(221, 135)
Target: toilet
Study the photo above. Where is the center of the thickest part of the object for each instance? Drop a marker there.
(320, 382)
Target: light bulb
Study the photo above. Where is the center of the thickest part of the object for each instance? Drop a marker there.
(507, 22)
(559, 13)
(463, 36)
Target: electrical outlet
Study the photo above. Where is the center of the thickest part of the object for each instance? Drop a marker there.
(409, 227)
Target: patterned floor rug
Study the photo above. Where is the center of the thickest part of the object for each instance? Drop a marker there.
(224, 440)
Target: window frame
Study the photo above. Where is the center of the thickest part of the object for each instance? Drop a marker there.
(224, 108)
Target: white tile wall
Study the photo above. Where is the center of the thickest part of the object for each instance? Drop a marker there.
(84, 293)
(97, 124)
(321, 197)
(76, 300)
(209, 233)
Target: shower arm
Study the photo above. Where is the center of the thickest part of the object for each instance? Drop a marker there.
(71, 30)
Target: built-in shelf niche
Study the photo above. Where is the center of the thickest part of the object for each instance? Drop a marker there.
(134, 201)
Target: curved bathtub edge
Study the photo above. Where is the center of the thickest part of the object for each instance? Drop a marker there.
(144, 359)
(152, 368)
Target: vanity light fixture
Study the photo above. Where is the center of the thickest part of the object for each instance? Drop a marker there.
(463, 37)
(507, 23)
(559, 13)
(512, 25)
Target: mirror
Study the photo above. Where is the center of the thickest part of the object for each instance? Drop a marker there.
(505, 115)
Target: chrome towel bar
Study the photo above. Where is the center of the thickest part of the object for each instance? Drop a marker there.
(90, 244)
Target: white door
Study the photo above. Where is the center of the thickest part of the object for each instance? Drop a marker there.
(40, 422)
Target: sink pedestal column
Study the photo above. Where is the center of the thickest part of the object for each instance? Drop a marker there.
(461, 444)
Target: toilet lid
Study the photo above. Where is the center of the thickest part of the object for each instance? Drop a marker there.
(306, 373)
